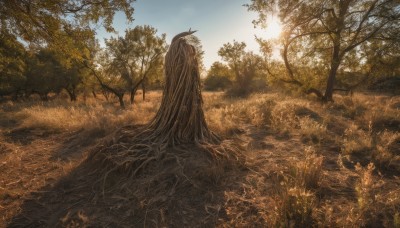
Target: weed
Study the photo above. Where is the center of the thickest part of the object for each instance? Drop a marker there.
(307, 173)
(312, 130)
(296, 196)
(296, 208)
(356, 141)
(364, 186)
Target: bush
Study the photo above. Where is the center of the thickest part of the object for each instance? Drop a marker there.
(215, 83)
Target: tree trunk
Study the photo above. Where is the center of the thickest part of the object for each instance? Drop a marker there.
(121, 100)
(105, 94)
(44, 97)
(289, 69)
(73, 97)
(133, 92)
(135, 88)
(328, 96)
(329, 85)
(336, 53)
(144, 91)
(72, 94)
(106, 88)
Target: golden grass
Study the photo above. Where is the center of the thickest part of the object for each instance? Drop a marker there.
(307, 172)
(297, 180)
(59, 115)
(356, 140)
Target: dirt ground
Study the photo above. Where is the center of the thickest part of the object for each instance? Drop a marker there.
(47, 181)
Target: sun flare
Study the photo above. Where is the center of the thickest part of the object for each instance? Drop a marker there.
(273, 29)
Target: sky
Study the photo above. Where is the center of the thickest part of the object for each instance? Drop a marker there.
(217, 22)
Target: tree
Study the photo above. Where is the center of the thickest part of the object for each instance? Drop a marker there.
(218, 77)
(73, 78)
(136, 55)
(382, 62)
(108, 80)
(127, 61)
(244, 65)
(61, 25)
(382, 58)
(272, 67)
(59, 22)
(44, 73)
(328, 31)
(12, 64)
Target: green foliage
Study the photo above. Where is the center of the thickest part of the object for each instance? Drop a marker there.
(129, 61)
(48, 71)
(382, 62)
(59, 34)
(12, 64)
(43, 20)
(59, 23)
(244, 65)
(219, 77)
(322, 38)
(215, 83)
(43, 73)
(136, 56)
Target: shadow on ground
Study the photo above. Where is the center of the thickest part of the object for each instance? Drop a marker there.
(183, 192)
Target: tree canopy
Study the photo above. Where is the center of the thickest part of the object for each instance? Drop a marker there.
(219, 77)
(127, 61)
(328, 31)
(59, 22)
(245, 65)
(12, 63)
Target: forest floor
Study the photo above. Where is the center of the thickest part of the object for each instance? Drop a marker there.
(305, 164)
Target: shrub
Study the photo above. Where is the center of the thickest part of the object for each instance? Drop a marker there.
(307, 173)
(297, 207)
(215, 83)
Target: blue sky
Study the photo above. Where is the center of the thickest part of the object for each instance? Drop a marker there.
(217, 22)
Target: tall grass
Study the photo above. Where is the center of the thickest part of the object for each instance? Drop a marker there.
(59, 115)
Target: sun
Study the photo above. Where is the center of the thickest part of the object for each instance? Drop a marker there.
(273, 29)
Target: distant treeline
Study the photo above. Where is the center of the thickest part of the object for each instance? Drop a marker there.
(325, 46)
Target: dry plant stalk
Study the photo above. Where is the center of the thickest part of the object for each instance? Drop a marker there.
(180, 118)
(178, 124)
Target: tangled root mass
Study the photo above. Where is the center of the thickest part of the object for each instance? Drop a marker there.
(169, 165)
(179, 122)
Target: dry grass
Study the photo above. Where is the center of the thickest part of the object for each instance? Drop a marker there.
(325, 165)
(62, 116)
